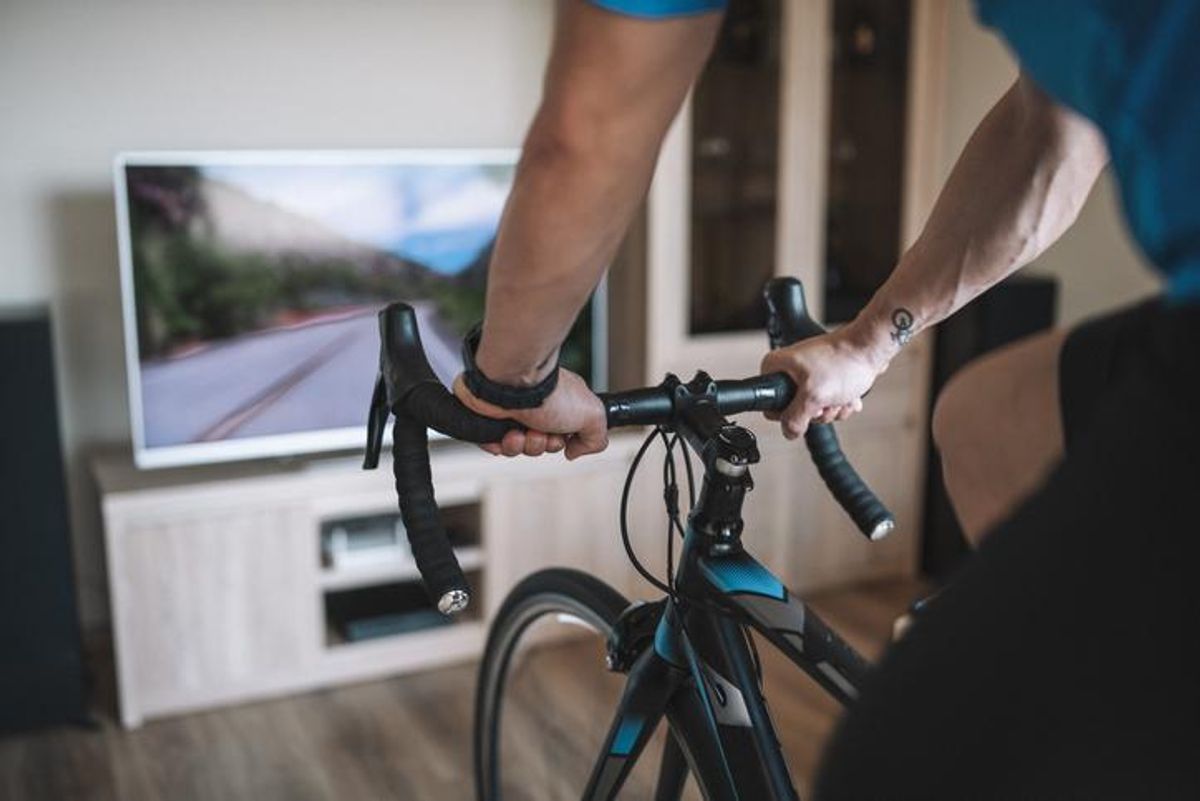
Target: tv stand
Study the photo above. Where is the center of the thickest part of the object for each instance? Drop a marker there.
(219, 593)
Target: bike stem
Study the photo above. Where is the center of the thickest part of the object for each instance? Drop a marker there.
(727, 450)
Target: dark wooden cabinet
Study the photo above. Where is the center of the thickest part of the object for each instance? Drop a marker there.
(867, 121)
(41, 666)
(736, 129)
(735, 167)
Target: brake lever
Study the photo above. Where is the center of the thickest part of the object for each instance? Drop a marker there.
(377, 418)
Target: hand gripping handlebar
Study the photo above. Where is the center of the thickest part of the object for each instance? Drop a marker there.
(788, 322)
(408, 388)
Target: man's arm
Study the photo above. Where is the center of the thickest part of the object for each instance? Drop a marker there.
(612, 87)
(1018, 185)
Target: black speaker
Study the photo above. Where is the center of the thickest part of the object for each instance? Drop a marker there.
(1013, 309)
(41, 664)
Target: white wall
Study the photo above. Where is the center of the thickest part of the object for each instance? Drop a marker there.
(1098, 266)
(81, 81)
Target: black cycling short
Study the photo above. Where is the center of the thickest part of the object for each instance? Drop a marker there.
(1063, 662)
(1095, 355)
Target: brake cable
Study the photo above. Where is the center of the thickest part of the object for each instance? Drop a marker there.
(671, 502)
(625, 539)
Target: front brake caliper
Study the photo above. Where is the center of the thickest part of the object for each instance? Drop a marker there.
(632, 633)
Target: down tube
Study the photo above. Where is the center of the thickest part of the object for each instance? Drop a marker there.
(653, 682)
(719, 716)
(739, 582)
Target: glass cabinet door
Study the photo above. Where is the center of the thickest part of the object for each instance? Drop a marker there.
(735, 161)
(865, 179)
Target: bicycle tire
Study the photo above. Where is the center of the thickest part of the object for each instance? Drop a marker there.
(556, 591)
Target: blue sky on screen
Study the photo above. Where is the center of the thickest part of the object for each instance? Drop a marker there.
(441, 215)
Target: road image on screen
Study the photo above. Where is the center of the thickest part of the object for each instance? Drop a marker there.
(257, 285)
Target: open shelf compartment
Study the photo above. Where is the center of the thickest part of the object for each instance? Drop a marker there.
(369, 583)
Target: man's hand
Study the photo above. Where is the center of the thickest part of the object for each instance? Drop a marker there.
(831, 373)
(571, 417)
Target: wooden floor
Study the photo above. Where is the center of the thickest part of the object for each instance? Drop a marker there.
(405, 738)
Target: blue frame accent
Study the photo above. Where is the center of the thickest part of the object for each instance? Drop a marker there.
(666, 640)
(627, 736)
(741, 573)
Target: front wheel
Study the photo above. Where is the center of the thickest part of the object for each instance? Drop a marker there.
(545, 700)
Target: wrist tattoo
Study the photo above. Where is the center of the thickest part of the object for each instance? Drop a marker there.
(902, 324)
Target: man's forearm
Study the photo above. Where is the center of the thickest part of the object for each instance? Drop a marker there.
(613, 85)
(1018, 185)
(565, 219)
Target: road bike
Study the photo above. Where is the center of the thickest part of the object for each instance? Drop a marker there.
(689, 657)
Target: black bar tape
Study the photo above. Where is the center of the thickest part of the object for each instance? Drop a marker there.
(444, 579)
(847, 487)
(435, 406)
(408, 388)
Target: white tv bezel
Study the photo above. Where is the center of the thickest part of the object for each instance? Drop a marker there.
(300, 443)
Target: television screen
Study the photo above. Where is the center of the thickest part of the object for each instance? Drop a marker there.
(252, 281)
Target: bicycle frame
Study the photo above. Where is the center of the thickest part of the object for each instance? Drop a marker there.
(699, 672)
(701, 676)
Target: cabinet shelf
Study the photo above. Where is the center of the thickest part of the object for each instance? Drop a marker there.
(346, 578)
(389, 609)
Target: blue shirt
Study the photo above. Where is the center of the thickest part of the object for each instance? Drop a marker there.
(1133, 68)
(1130, 66)
(656, 9)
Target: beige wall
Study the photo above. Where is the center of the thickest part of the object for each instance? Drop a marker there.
(80, 81)
(1096, 263)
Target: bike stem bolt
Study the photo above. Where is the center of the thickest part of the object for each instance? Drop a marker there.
(730, 467)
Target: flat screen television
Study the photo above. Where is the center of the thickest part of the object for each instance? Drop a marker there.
(251, 282)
